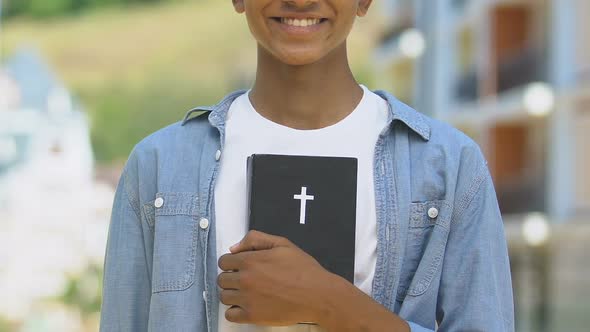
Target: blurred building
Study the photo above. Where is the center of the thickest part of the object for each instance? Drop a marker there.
(515, 76)
(53, 215)
(35, 108)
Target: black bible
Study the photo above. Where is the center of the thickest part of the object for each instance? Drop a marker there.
(309, 200)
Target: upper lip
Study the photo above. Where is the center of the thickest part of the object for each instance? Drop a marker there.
(301, 16)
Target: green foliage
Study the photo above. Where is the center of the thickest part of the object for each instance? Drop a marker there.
(83, 292)
(122, 115)
(14, 7)
(51, 8)
(42, 8)
(5, 325)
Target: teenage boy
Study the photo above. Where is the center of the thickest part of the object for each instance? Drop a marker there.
(430, 246)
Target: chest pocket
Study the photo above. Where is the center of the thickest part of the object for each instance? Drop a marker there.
(427, 237)
(174, 219)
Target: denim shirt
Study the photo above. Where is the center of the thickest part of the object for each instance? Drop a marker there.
(442, 260)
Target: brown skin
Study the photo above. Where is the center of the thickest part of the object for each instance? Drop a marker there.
(268, 280)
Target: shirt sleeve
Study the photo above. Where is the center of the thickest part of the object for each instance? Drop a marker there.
(476, 289)
(126, 283)
(417, 328)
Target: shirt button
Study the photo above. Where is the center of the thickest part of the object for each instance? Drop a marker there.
(159, 202)
(204, 295)
(218, 155)
(203, 223)
(433, 212)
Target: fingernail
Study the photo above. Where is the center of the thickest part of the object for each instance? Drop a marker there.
(234, 247)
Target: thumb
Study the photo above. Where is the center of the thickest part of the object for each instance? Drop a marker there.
(256, 240)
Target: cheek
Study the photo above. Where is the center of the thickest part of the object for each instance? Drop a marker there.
(338, 35)
(256, 21)
(345, 25)
(257, 28)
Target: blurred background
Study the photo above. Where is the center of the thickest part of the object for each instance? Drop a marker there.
(82, 81)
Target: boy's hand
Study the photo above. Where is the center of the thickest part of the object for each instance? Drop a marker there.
(270, 281)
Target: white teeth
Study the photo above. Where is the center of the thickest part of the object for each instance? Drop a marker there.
(300, 23)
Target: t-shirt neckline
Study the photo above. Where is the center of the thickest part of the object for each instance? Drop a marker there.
(349, 118)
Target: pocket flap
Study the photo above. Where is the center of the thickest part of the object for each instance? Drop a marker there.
(176, 203)
(426, 214)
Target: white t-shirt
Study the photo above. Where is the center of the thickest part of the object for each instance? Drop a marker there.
(248, 132)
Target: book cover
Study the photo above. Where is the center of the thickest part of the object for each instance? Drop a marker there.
(309, 200)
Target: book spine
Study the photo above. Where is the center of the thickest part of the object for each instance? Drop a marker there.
(250, 180)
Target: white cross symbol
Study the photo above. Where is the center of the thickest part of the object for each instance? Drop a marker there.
(304, 197)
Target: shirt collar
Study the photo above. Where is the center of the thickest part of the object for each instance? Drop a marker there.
(398, 111)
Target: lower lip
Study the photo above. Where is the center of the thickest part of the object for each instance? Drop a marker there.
(299, 30)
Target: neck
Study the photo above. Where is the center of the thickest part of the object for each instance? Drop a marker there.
(308, 96)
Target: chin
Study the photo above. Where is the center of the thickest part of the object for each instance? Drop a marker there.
(299, 58)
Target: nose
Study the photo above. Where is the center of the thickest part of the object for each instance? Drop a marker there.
(300, 3)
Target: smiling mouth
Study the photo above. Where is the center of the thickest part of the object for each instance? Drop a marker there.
(306, 22)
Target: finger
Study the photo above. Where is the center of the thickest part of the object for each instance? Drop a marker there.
(230, 262)
(236, 262)
(236, 314)
(229, 280)
(230, 297)
(256, 240)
